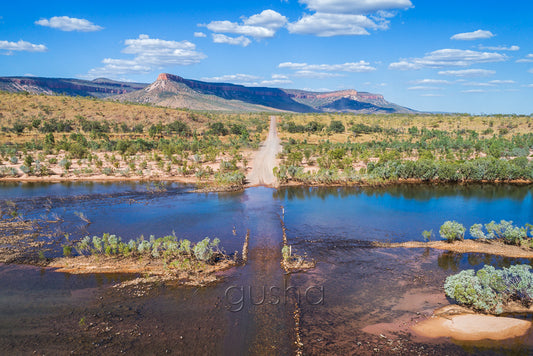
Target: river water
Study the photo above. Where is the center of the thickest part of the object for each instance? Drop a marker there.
(357, 300)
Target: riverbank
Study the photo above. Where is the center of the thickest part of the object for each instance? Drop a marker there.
(210, 185)
(491, 247)
(148, 268)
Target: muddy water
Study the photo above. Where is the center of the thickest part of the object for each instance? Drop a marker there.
(356, 301)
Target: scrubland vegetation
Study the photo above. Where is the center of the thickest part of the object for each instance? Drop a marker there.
(490, 289)
(504, 231)
(344, 149)
(175, 253)
(44, 136)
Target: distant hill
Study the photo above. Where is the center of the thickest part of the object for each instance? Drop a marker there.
(176, 92)
(100, 88)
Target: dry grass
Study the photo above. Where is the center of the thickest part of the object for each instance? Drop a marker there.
(513, 124)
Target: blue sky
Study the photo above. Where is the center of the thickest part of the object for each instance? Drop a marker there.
(453, 56)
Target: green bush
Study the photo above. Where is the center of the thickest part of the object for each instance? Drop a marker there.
(336, 126)
(489, 289)
(427, 234)
(452, 230)
(504, 230)
(204, 249)
(476, 231)
(168, 247)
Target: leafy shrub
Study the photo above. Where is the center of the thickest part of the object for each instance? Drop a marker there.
(203, 250)
(336, 126)
(67, 250)
(65, 163)
(25, 169)
(286, 253)
(507, 231)
(218, 128)
(490, 289)
(427, 234)
(452, 230)
(476, 231)
(168, 247)
(230, 178)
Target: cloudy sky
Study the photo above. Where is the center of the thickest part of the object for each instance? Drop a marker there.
(434, 55)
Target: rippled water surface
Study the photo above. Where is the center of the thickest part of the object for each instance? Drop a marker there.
(366, 292)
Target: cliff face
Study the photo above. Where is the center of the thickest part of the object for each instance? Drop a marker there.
(98, 88)
(266, 97)
(174, 91)
(223, 89)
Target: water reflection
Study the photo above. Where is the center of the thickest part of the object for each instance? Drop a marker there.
(455, 262)
(419, 192)
(362, 285)
(398, 212)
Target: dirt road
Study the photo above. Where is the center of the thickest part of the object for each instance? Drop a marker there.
(265, 160)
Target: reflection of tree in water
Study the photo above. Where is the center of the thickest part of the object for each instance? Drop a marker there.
(454, 261)
(449, 261)
(421, 192)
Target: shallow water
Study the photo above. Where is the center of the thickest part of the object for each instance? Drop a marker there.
(352, 288)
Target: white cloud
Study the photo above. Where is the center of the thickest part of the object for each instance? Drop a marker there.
(360, 66)
(327, 25)
(236, 41)
(279, 76)
(421, 87)
(531, 70)
(274, 82)
(263, 25)
(431, 81)
(149, 54)
(316, 75)
(474, 91)
(528, 86)
(346, 17)
(231, 27)
(200, 34)
(528, 59)
(21, 46)
(65, 23)
(404, 65)
(267, 18)
(468, 72)
(232, 78)
(502, 81)
(448, 57)
(469, 36)
(477, 84)
(500, 48)
(431, 95)
(355, 6)
(250, 80)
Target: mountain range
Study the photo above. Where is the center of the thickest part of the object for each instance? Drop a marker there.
(176, 92)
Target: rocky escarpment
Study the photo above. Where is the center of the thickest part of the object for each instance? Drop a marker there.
(175, 91)
(263, 96)
(75, 87)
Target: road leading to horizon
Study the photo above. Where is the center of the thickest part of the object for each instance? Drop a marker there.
(265, 160)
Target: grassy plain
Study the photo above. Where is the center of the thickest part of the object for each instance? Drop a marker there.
(66, 138)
